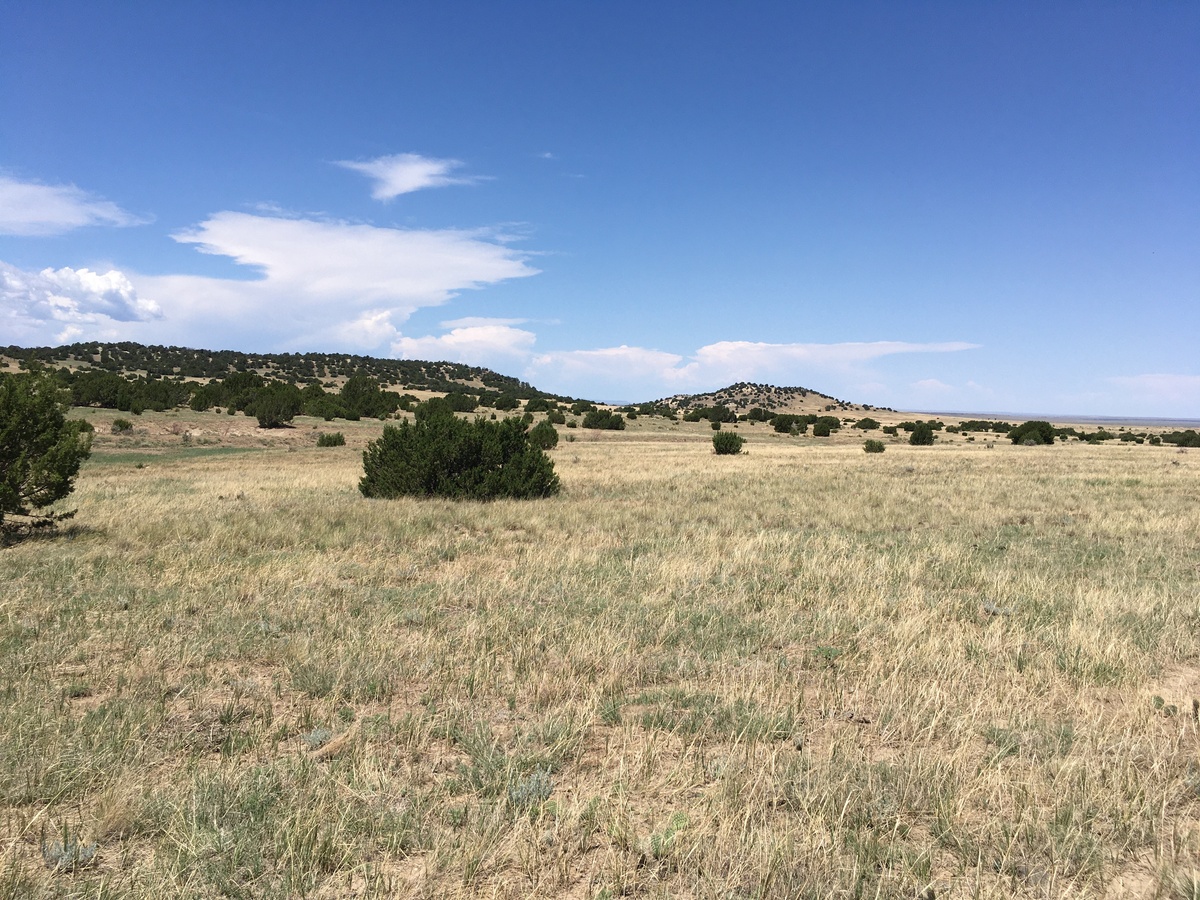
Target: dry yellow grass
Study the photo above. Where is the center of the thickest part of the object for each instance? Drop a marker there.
(803, 671)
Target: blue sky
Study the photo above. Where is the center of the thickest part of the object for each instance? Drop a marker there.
(924, 205)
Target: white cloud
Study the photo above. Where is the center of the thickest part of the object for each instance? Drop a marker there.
(59, 305)
(750, 361)
(1161, 387)
(471, 321)
(933, 386)
(473, 344)
(637, 371)
(311, 284)
(321, 281)
(609, 363)
(29, 209)
(404, 173)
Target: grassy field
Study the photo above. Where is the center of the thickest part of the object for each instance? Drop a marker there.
(800, 672)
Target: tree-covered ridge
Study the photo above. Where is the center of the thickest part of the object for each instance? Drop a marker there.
(272, 387)
(155, 361)
(746, 396)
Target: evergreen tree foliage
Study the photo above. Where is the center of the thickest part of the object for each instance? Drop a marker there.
(440, 455)
(727, 443)
(604, 419)
(922, 434)
(40, 450)
(276, 405)
(1033, 432)
(543, 436)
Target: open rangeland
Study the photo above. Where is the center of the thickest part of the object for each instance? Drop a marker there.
(805, 671)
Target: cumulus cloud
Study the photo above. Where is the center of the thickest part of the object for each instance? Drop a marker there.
(62, 304)
(309, 283)
(404, 173)
(479, 344)
(315, 282)
(30, 209)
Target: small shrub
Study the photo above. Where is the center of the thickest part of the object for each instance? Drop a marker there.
(867, 424)
(556, 417)
(506, 402)
(532, 790)
(873, 446)
(726, 443)
(922, 435)
(716, 426)
(543, 436)
(821, 429)
(890, 429)
(120, 426)
(331, 439)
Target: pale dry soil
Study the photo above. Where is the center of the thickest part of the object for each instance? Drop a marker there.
(799, 672)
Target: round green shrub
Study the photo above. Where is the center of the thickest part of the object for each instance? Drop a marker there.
(121, 425)
(543, 436)
(726, 443)
(873, 446)
(922, 435)
(1032, 433)
(440, 455)
(331, 439)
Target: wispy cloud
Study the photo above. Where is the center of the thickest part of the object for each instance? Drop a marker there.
(1158, 388)
(624, 370)
(404, 173)
(58, 305)
(31, 209)
(309, 283)
(472, 321)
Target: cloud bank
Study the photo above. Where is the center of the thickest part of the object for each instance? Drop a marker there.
(58, 305)
(30, 209)
(404, 173)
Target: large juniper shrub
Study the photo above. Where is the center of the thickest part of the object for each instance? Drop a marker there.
(543, 436)
(726, 443)
(1034, 432)
(276, 405)
(444, 456)
(40, 449)
(604, 419)
(922, 434)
